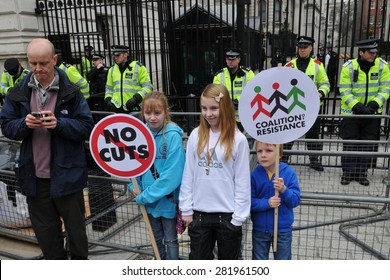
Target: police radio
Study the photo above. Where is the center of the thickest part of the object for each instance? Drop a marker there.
(355, 75)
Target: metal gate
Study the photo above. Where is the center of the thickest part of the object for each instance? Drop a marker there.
(182, 42)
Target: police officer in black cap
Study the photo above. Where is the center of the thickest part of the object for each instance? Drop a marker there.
(127, 82)
(364, 89)
(234, 77)
(86, 61)
(97, 78)
(316, 71)
(12, 75)
(321, 54)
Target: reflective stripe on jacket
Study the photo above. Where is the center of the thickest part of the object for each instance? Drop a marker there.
(76, 78)
(372, 87)
(236, 86)
(122, 86)
(7, 81)
(316, 71)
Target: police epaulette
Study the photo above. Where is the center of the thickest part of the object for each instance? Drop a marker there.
(219, 71)
(246, 68)
(347, 62)
(139, 63)
(384, 61)
(67, 65)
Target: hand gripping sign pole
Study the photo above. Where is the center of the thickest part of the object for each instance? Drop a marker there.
(278, 106)
(124, 147)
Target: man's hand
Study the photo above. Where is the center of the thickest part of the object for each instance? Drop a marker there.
(360, 109)
(133, 102)
(373, 106)
(33, 122)
(48, 120)
(108, 104)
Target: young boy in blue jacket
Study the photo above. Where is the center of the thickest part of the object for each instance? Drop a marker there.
(264, 201)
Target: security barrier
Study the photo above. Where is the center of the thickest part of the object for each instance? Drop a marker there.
(334, 221)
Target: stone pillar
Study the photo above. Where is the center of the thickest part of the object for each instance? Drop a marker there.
(18, 25)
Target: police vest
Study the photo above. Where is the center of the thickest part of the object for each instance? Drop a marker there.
(75, 77)
(357, 86)
(7, 81)
(236, 86)
(86, 65)
(122, 86)
(316, 71)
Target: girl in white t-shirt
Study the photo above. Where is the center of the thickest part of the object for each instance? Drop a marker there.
(215, 189)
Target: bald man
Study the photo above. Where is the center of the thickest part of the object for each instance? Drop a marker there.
(51, 117)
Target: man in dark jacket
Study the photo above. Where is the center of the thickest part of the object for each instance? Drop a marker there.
(52, 119)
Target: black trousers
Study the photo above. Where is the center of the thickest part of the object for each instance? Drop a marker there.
(358, 129)
(46, 216)
(208, 228)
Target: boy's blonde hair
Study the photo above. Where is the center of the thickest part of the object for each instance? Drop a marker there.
(266, 144)
(227, 120)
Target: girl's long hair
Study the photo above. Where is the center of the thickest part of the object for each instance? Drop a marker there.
(227, 120)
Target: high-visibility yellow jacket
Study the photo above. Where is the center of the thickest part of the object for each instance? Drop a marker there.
(86, 66)
(356, 86)
(316, 71)
(236, 86)
(76, 78)
(122, 86)
(7, 81)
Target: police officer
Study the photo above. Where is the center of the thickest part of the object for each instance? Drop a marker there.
(97, 78)
(278, 58)
(86, 61)
(234, 77)
(321, 55)
(332, 67)
(73, 74)
(316, 71)
(12, 75)
(364, 89)
(127, 82)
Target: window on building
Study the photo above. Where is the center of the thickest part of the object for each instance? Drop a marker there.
(372, 20)
(277, 10)
(263, 10)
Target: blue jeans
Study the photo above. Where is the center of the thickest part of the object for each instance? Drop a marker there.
(262, 243)
(164, 231)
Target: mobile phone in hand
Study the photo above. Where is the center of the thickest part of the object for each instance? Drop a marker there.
(38, 115)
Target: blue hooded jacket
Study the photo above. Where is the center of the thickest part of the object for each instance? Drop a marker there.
(160, 195)
(262, 214)
(68, 170)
